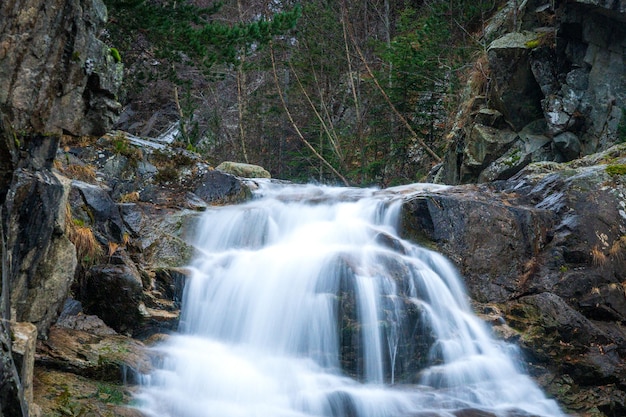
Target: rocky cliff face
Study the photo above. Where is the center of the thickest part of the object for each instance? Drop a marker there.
(552, 89)
(543, 256)
(56, 77)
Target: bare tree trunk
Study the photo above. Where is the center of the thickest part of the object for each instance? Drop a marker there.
(389, 102)
(355, 98)
(241, 109)
(241, 92)
(295, 126)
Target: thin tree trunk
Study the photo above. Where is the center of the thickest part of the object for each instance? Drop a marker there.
(357, 108)
(241, 99)
(241, 110)
(390, 103)
(295, 126)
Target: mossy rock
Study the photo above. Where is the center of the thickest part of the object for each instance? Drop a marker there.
(60, 394)
(243, 170)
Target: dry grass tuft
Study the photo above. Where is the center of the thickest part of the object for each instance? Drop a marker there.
(131, 197)
(479, 76)
(617, 248)
(77, 141)
(598, 257)
(113, 247)
(86, 173)
(125, 239)
(531, 267)
(88, 249)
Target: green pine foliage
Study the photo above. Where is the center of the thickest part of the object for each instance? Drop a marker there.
(183, 32)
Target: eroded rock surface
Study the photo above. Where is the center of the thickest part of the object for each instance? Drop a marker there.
(560, 73)
(546, 250)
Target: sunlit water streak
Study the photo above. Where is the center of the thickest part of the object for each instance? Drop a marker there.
(305, 302)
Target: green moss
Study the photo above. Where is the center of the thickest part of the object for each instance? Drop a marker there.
(532, 44)
(116, 55)
(617, 169)
(76, 56)
(110, 394)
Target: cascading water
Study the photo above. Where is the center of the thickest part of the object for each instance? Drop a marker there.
(305, 302)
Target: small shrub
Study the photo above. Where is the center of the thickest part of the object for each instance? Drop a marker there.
(109, 394)
(166, 174)
(616, 169)
(122, 146)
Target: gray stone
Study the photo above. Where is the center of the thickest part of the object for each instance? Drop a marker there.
(218, 188)
(93, 204)
(486, 144)
(12, 402)
(515, 91)
(568, 145)
(578, 79)
(114, 293)
(24, 345)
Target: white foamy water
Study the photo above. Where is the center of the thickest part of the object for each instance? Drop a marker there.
(305, 302)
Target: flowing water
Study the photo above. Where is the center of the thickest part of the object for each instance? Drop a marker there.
(306, 302)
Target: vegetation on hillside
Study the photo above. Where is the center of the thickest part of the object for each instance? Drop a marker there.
(322, 90)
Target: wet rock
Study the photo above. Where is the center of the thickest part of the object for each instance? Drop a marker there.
(548, 246)
(568, 145)
(64, 394)
(162, 301)
(470, 221)
(114, 293)
(219, 188)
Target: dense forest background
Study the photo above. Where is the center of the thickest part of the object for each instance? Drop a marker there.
(357, 92)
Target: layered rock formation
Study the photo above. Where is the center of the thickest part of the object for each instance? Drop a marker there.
(543, 256)
(57, 76)
(553, 89)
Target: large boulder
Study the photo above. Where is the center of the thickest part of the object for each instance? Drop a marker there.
(42, 259)
(114, 292)
(546, 249)
(515, 92)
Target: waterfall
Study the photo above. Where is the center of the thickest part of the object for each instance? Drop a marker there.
(305, 302)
